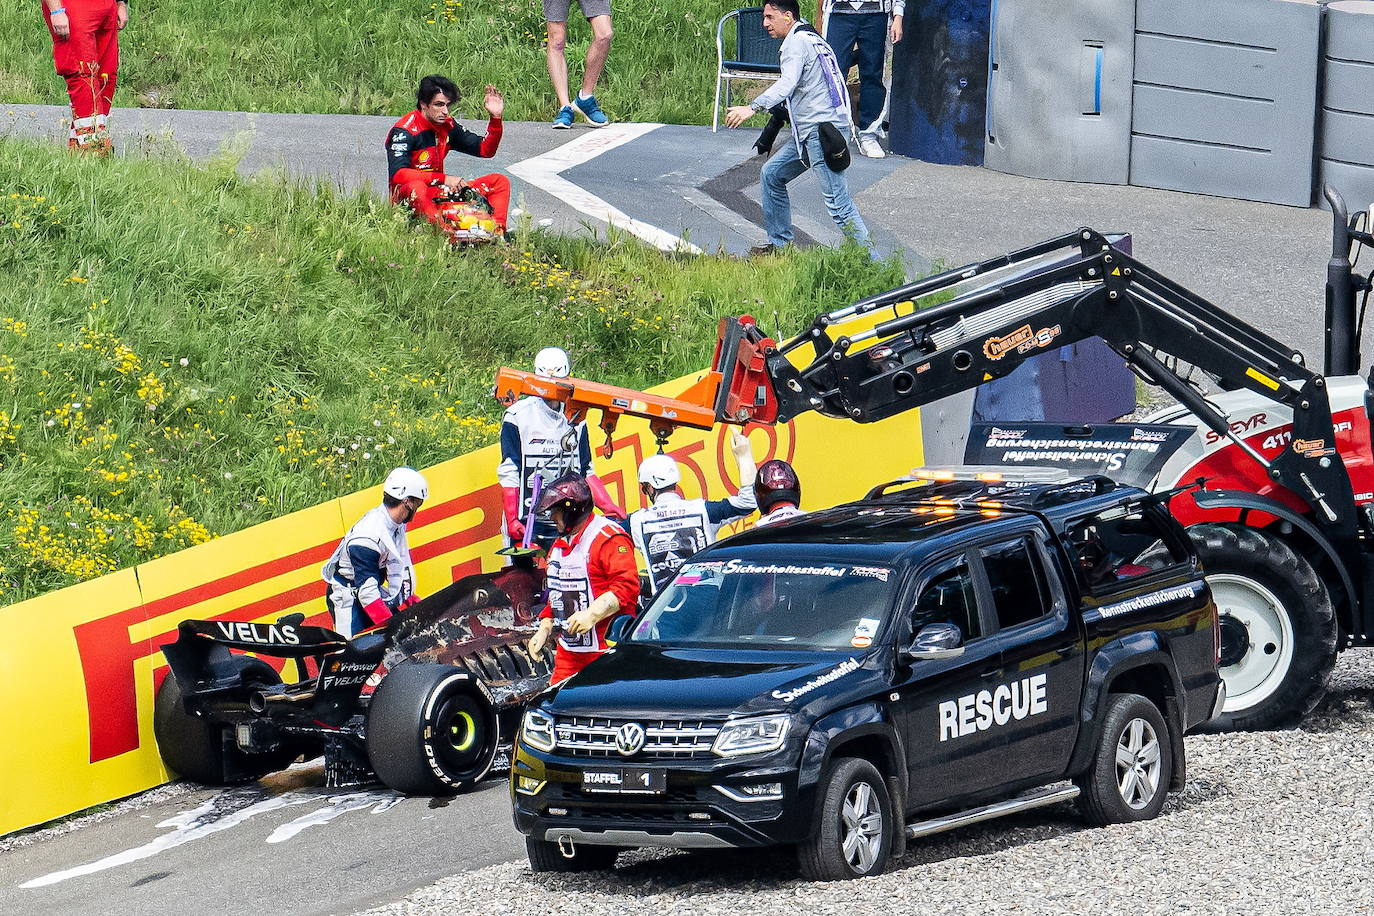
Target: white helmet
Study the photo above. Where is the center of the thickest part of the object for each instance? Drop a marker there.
(552, 362)
(659, 472)
(406, 482)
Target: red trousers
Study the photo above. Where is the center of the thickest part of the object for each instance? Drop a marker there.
(566, 664)
(89, 58)
(494, 187)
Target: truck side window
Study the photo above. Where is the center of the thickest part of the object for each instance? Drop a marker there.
(1013, 575)
(949, 598)
(1120, 544)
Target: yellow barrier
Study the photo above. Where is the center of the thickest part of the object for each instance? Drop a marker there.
(80, 665)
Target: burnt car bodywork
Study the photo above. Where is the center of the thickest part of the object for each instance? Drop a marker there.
(451, 674)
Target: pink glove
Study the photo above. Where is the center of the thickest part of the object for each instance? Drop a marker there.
(410, 602)
(510, 496)
(377, 611)
(602, 497)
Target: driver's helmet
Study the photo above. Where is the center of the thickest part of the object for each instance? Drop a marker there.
(467, 217)
(777, 482)
(572, 493)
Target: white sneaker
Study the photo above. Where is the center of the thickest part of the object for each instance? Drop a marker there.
(870, 147)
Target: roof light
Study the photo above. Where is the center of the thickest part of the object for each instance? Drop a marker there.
(983, 473)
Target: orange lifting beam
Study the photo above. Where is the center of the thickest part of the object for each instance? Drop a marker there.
(579, 396)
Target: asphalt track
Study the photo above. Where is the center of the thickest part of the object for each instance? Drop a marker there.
(287, 845)
(281, 845)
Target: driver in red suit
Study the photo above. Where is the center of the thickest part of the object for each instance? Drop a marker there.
(418, 143)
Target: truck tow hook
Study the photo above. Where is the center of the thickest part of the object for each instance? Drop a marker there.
(565, 847)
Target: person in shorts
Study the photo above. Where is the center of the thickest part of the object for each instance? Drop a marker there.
(598, 13)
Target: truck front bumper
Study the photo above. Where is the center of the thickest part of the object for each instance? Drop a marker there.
(704, 805)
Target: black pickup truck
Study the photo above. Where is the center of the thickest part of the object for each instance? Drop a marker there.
(928, 657)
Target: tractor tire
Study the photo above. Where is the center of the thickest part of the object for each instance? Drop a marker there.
(202, 751)
(1278, 627)
(430, 730)
(1132, 766)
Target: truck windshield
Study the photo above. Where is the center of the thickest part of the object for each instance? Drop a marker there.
(820, 606)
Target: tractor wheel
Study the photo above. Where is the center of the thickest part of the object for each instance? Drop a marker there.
(1278, 626)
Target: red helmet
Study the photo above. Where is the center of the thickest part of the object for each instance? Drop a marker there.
(571, 493)
(776, 483)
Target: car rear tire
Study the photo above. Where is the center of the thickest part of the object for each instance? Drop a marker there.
(430, 730)
(547, 857)
(1278, 626)
(1132, 766)
(203, 751)
(853, 838)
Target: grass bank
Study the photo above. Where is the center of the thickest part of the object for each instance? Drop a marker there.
(185, 352)
(246, 55)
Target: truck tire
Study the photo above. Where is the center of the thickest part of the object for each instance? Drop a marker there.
(853, 836)
(547, 857)
(196, 749)
(1278, 626)
(1132, 766)
(430, 730)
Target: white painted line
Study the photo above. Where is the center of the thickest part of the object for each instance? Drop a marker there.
(543, 172)
(209, 818)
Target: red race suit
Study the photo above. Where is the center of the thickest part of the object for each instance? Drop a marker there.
(598, 557)
(89, 61)
(415, 151)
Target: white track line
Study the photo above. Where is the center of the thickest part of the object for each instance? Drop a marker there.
(543, 172)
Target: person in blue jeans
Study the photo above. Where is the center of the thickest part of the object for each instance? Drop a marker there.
(598, 13)
(813, 89)
(858, 31)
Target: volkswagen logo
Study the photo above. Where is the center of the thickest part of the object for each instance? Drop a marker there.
(629, 738)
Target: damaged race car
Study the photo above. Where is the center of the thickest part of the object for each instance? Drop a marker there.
(454, 671)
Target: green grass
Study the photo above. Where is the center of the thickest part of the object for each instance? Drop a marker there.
(185, 352)
(249, 55)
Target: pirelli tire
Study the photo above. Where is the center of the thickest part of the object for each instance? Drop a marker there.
(1278, 626)
(431, 730)
(1132, 765)
(203, 750)
(855, 824)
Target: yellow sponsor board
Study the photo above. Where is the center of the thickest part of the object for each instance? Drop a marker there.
(80, 666)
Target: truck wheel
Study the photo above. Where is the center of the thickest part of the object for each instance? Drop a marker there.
(202, 751)
(545, 857)
(854, 835)
(1131, 769)
(1278, 626)
(430, 730)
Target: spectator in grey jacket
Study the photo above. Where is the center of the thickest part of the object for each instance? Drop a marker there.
(813, 88)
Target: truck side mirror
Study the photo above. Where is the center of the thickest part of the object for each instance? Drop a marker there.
(936, 640)
(620, 628)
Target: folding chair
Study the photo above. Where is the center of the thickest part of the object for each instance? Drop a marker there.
(755, 55)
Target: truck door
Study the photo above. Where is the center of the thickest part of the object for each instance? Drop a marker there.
(1035, 705)
(947, 755)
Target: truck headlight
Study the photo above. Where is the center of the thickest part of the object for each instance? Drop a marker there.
(536, 730)
(757, 735)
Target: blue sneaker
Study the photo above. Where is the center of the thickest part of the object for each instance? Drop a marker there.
(591, 111)
(563, 120)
